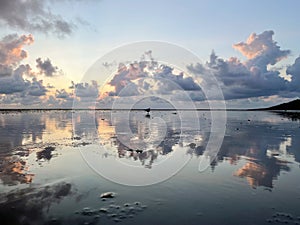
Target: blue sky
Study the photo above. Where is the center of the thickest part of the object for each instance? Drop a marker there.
(94, 28)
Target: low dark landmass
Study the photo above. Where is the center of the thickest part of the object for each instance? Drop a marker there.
(293, 105)
(122, 109)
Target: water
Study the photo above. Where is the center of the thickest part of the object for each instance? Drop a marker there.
(47, 174)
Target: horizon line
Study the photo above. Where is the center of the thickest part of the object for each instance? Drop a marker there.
(132, 109)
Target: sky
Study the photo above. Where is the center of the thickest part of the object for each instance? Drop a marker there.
(47, 48)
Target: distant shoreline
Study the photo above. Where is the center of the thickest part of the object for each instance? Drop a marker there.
(289, 106)
(59, 109)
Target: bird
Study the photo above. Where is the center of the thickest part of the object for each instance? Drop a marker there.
(148, 112)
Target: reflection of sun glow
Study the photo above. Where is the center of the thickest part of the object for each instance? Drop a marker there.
(15, 170)
(253, 173)
(105, 131)
(56, 130)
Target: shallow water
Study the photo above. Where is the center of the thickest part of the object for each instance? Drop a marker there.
(50, 163)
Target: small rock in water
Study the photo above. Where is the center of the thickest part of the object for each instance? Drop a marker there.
(96, 217)
(77, 138)
(126, 204)
(131, 209)
(122, 216)
(114, 206)
(112, 215)
(108, 195)
(117, 220)
(143, 206)
(192, 145)
(88, 211)
(103, 210)
(199, 214)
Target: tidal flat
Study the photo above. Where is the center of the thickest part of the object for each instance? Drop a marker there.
(56, 168)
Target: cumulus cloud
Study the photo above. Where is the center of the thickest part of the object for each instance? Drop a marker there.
(63, 94)
(262, 45)
(46, 67)
(33, 15)
(294, 71)
(13, 83)
(150, 77)
(12, 52)
(86, 90)
(261, 51)
(17, 79)
(238, 79)
(251, 78)
(17, 84)
(36, 88)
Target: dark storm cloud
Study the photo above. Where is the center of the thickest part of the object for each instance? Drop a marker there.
(33, 15)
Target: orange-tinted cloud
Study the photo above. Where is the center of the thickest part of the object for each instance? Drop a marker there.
(11, 48)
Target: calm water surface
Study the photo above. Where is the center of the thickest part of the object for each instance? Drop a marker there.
(44, 178)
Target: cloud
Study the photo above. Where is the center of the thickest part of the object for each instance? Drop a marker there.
(17, 84)
(86, 90)
(262, 45)
(261, 51)
(251, 78)
(238, 79)
(294, 71)
(11, 48)
(17, 79)
(12, 52)
(149, 76)
(14, 83)
(36, 88)
(46, 67)
(62, 94)
(33, 15)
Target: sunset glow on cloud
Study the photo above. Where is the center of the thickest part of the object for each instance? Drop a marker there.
(30, 76)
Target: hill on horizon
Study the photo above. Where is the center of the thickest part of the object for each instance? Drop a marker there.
(292, 105)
